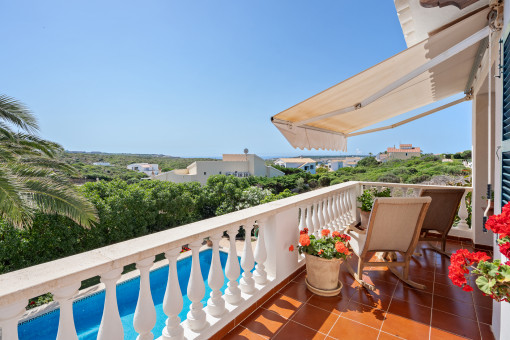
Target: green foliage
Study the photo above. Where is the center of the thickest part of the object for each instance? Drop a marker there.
(287, 171)
(322, 170)
(324, 181)
(368, 162)
(323, 247)
(284, 194)
(367, 197)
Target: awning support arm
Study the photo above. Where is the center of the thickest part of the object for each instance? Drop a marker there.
(405, 121)
(481, 34)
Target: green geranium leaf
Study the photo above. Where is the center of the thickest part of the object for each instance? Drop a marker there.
(483, 284)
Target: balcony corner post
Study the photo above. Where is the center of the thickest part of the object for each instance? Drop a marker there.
(9, 316)
(64, 297)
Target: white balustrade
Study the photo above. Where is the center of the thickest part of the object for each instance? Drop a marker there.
(336, 216)
(247, 262)
(320, 217)
(330, 213)
(315, 220)
(232, 270)
(64, 297)
(145, 312)
(173, 302)
(111, 325)
(196, 318)
(216, 304)
(260, 274)
(9, 315)
(309, 222)
(349, 217)
(463, 214)
(301, 218)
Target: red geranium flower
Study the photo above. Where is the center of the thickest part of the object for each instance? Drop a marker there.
(505, 249)
(304, 231)
(341, 248)
(345, 237)
(304, 240)
(336, 234)
(291, 248)
(320, 252)
(325, 232)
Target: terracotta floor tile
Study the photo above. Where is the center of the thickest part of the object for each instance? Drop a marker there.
(387, 336)
(409, 310)
(294, 330)
(484, 314)
(439, 334)
(443, 279)
(283, 305)
(428, 283)
(241, 333)
(372, 299)
(383, 287)
(333, 304)
(364, 314)
(452, 292)
(486, 332)
(315, 318)
(454, 324)
(463, 309)
(300, 278)
(480, 300)
(264, 322)
(380, 274)
(405, 328)
(404, 292)
(348, 329)
(296, 291)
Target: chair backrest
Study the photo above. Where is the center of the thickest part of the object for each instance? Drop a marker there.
(443, 208)
(395, 223)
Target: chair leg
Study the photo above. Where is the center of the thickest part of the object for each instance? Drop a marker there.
(359, 275)
(404, 276)
(441, 250)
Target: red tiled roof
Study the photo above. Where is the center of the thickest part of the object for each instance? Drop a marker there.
(404, 150)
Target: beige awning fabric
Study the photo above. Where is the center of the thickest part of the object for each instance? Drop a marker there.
(432, 70)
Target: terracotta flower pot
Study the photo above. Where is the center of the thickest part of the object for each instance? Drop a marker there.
(365, 215)
(322, 275)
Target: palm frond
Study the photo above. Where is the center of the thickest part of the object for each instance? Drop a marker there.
(13, 206)
(15, 113)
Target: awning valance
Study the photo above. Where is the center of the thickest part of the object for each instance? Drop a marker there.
(432, 70)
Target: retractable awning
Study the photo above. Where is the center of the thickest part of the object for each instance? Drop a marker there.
(437, 68)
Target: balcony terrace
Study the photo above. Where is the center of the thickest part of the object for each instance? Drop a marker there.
(270, 299)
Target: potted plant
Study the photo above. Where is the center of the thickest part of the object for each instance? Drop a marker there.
(492, 277)
(367, 201)
(323, 257)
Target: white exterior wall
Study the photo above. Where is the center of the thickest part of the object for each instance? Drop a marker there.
(335, 165)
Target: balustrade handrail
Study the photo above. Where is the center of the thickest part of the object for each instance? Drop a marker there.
(39, 279)
(418, 186)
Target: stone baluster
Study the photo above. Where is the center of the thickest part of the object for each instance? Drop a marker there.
(196, 317)
(336, 213)
(344, 217)
(301, 218)
(345, 203)
(351, 205)
(216, 304)
(404, 191)
(111, 325)
(331, 217)
(463, 213)
(260, 274)
(64, 297)
(9, 316)
(145, 312)
(232, 270)
(392, 190)
(247, 283)
(320, 217)
(325, 216)
(172, 302)
(315, 219)
(309, 223)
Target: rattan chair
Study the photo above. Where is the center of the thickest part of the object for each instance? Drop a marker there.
(394, 226)
(441, 215)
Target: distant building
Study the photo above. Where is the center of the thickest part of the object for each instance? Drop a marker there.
(146, 168)
(405, 151)
(306, 164)
(102, 163)
(335, 164)
(238, 165)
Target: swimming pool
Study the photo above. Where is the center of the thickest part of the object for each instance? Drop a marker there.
(89, 310)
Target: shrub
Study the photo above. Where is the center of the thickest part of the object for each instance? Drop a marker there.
(324, 181)
(313, 184)
(388, 178)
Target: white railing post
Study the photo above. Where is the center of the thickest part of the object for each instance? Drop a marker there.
(9, 316)
(309, 222)
(320, 217)
(301, 218)
(315, 220)
(172, 302)
(260, 275)
(111, 325)
(196, 290)
(336, 213)
(247, 262)
(350, 216)
(64, 297)
(232, 269)
(331, 223)
(145, 312)
(216, 304)
(463, 213)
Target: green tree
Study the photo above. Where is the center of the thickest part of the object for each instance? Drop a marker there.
(31, 178)
(368, 161)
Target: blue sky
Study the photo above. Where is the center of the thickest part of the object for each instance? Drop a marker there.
(199, 78)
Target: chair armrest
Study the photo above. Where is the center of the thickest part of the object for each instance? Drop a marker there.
(355, 229)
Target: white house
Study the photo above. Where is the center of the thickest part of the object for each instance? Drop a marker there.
(306, 164)
(146, 168)
(102, 163)
(239, 165)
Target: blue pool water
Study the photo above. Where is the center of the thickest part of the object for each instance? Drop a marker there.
(88, 311)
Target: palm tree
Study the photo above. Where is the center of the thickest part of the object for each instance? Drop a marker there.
(31, 178)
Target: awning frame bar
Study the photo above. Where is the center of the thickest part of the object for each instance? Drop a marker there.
(408, 120)
(455, 49)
